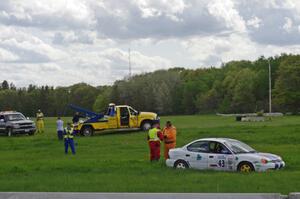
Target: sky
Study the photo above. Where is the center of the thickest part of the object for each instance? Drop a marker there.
(63, 42)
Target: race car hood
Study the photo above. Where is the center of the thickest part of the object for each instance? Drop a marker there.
(269, 156)
(258, 156)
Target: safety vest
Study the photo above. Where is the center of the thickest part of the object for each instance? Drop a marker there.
(153, 134)
(69, 133)
(39, 116)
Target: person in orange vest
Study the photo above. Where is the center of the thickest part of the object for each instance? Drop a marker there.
(155, 136)
(169, 133)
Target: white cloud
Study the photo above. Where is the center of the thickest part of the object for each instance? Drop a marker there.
(254, 22)
(48, 14)
(225, 10)
(68, 41)
(288, 25)
(218, 50)
(26, 46)
(7, 56)
(156, 8)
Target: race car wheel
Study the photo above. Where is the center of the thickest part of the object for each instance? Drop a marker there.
(146, 126)
(87, 131)
(181, 164)
(245, 167)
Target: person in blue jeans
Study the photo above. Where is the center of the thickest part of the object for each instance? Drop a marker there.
(60, 128)
(69, 138)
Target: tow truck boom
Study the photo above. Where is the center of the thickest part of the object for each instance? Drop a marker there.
(93, 117)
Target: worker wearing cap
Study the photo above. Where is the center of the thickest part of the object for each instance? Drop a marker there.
(154, 138)
(69, 138)
(169, 133)
(75, 121)
(111, 109)
(40, 121)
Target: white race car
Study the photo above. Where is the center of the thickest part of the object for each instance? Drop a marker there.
(222, 154)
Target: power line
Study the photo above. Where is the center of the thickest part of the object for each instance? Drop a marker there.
(270, 88)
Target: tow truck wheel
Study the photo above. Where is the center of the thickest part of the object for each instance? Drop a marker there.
(146, 126)
(87, 131)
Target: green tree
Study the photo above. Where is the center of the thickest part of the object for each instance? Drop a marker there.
(287, 93)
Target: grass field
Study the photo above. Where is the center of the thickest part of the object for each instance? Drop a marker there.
(119, 162)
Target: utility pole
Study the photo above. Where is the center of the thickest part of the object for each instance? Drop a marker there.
(270, 88)
(129, 62)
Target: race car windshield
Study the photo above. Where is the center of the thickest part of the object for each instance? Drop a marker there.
(240, 147)
(15, 117)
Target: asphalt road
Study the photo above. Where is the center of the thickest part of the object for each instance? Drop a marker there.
(59, 195)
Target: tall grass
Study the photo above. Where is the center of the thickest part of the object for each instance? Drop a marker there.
(119, 162)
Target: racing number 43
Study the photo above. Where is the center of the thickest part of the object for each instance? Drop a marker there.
(221, 163)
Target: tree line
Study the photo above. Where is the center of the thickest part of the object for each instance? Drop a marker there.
(236, 87)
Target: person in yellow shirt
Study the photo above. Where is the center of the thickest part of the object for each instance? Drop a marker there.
(40, 121)
(169, 133)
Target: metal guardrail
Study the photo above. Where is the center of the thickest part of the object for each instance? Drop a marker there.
(62, 195)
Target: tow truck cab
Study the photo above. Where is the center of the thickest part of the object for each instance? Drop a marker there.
(121, 117)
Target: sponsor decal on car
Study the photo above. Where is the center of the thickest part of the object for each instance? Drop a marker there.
(199, 157)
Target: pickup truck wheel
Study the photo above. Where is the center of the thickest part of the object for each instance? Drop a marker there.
(9, 132)
(87, 131)
(31, 133)
(146, 126)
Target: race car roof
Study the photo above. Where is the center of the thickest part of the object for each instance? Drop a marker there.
(216, 139)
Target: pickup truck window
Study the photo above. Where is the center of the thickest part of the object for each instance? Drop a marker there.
(14, 117)
(132, 111)
(2, 117)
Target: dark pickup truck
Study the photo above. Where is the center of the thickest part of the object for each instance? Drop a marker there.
(12, 122)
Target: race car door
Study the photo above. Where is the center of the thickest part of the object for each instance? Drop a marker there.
(197, 154)
(219, 157)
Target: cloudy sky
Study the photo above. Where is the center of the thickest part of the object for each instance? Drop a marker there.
(61, 42)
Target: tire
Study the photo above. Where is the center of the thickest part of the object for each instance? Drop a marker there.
(87, 131)
(9, 132)
(181, 164)
(31, 133)
(245, 167)
(146, 125)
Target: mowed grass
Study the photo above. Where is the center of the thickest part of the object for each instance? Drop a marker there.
(119, 162)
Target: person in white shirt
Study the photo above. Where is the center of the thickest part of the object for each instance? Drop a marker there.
(60, 128)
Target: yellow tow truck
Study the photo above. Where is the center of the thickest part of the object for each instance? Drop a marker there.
(117, 117)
